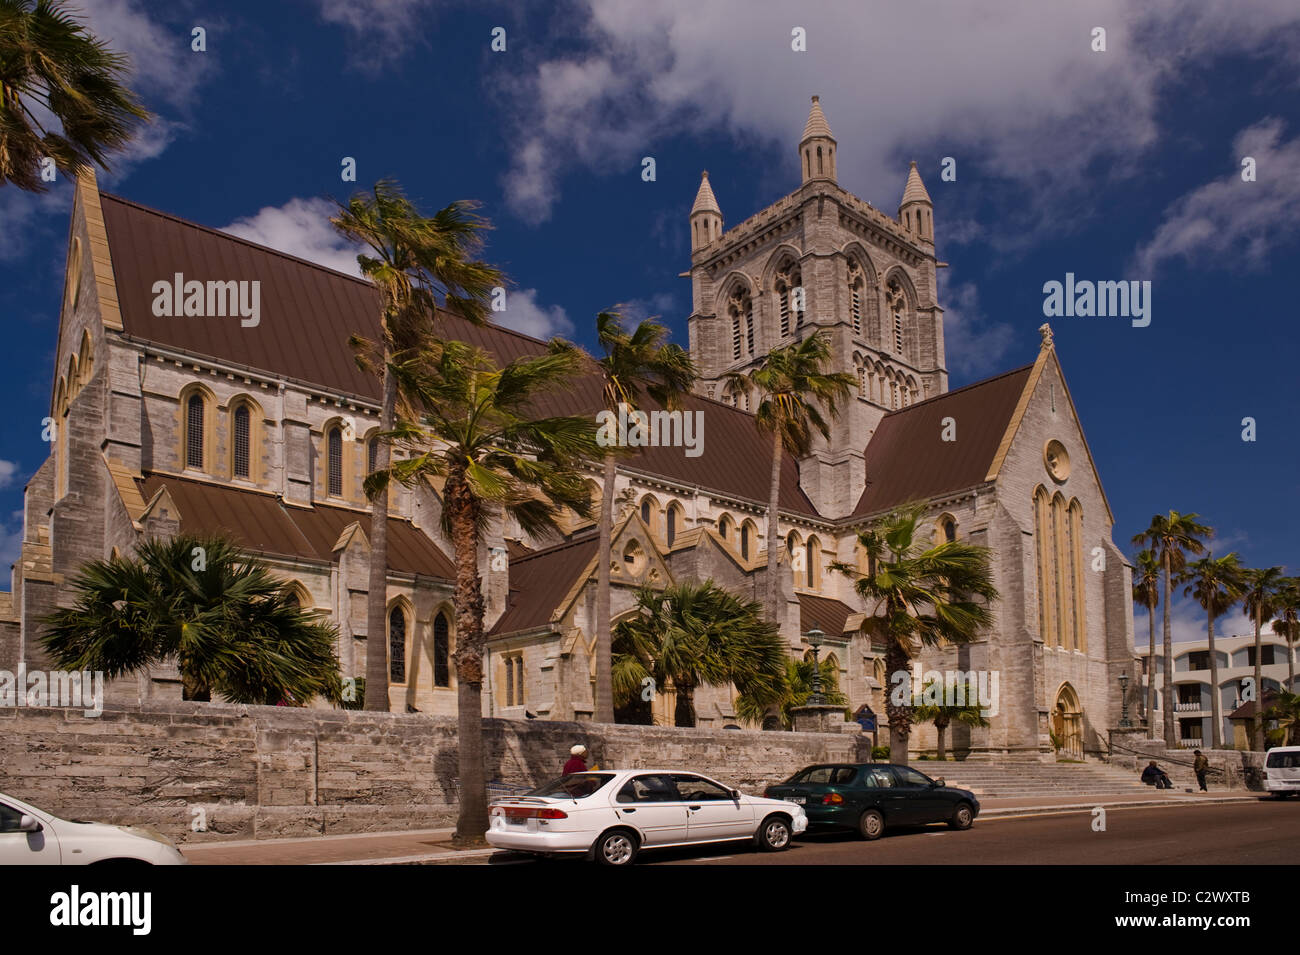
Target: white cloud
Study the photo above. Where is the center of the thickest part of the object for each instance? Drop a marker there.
(523, 314)
(7, 471)
(300, 227)
(383, 30)
(162, 64)
(973, 345)
(1010, 88)
(660, 305)
(1229, 222)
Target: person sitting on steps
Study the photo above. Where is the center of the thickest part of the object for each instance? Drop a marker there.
(1153, 775)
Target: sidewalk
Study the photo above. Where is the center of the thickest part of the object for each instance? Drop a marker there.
(434, 845)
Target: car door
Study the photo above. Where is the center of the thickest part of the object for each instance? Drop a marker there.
(651, 803)
(925, 802)
(889, 796)
(711, 811)
(25, 848)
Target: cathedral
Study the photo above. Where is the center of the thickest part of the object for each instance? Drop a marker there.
(264, 431)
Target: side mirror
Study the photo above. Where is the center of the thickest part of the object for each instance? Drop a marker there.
(735, 794)
(939, 782)
(29, 824)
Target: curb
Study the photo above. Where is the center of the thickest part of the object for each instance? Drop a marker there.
(1013, 811)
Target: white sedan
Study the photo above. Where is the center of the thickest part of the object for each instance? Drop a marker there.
(29, 836)
(612, 815)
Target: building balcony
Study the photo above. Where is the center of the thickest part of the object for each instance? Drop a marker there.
(1189, 708)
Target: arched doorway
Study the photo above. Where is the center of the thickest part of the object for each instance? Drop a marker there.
(1067, 724)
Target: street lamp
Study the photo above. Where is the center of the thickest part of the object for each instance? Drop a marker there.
(1124, 722)
(814, 638)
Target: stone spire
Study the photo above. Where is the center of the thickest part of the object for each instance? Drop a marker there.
(706, 216)
(817, 148)
(916, 213)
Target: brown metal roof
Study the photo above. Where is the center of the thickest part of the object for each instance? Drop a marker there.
(825, 613)
(308, 312)
(907, 458)
(260, 522)
(539, 581)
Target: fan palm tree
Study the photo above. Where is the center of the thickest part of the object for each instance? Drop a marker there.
(918, 594)
(232, 627)
(1146, 591)
(1286, 710)
(634, 364)
(791, 384)
(692, 634)
(795, 689)
(1216, 583)
(944, 713)
(1173, 538)
(1259, 594)
(420, 265)
(53, 70)
(478, 430)
(1287, 625)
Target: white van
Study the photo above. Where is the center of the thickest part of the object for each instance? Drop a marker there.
(1282, 770)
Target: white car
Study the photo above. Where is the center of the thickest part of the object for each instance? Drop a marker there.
(29, 836)
(1282, 771)
(612, 815)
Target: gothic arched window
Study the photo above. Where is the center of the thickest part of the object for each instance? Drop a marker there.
(441, 650)
(397, 645)
(334, 462)
(741, 309)
(896, 299)
(856, 288)
(194, 414)
(241, 462)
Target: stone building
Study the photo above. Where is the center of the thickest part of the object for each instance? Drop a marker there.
(263, 432)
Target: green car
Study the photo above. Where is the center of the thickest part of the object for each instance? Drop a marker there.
(870, 796)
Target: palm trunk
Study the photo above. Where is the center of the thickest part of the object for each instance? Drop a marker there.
(604, 702)
(942, 728)
(1258, 741)
(377, 598)
(1171, 741)
(1151, 667)
(1215, 705)
(462, 507)
(900, 717)
(1290, 663)
(684, 712)
(774, 534)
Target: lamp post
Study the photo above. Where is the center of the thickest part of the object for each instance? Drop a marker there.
(814, 638)
(1124, 722)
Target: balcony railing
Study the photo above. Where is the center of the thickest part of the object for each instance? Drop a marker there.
(1190, 743)
(1187, 707)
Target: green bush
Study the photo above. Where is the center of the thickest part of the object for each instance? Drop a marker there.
(879, 753)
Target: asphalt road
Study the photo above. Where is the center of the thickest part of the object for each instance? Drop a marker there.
(1263, 832)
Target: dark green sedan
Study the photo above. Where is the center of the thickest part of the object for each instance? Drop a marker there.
(870, 796)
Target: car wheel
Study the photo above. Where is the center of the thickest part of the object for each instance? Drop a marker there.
(871, 825)
(774, 834)
(962, 816)
(616, 847)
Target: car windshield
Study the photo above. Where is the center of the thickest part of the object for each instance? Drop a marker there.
(575, 785)
(1284, 760)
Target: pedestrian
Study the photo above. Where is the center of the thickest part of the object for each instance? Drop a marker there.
(1153, 775)
(1202, 767)
(577, 760)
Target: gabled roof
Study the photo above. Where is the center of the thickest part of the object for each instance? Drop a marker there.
(827, 614)
(308, 313)
(907, 458)
(540, 581)
(261, 522)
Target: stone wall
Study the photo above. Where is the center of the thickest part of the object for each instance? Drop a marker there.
(1236, 769)
(265, 771)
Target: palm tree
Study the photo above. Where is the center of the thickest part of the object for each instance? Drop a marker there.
(693, 634)
(51, 68)
(1173, 538)
(1260, 590)
(918, 594)
(1286, 710)
(232, 627)
(634, 364)
(943, 713)
(795, 689)
(791, 384)
(1287, 625)
(417, 262)
(1146, 591)
(479, 431)
(1216, 583)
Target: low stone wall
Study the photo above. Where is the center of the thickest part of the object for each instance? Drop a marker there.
(1236, 769)
(265, 771)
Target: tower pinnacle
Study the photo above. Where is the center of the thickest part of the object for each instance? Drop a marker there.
(817, 148)
(706, 216)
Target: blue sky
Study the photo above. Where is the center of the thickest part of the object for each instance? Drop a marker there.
(1122, 164)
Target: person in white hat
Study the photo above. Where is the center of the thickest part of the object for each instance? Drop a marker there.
(577, 760)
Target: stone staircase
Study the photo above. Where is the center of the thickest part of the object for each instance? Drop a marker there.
(994, 778)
